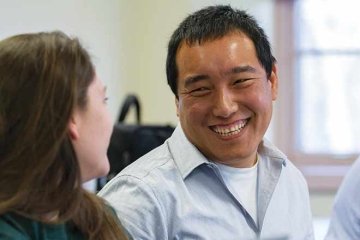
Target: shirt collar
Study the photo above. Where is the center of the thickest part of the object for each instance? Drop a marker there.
(267, 149)
(187, 157)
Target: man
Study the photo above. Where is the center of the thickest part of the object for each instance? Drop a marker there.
(345, 219)
(215, 177)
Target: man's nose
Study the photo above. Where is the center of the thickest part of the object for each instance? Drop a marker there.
(224, 104)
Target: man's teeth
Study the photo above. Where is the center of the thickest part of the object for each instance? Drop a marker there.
(228, 131)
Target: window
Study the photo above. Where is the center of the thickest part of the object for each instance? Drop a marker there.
(318, 50)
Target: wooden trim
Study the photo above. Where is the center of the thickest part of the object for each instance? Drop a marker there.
(323, 172)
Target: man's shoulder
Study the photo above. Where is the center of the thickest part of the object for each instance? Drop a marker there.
(293, 180)
(289, 170)
(155, 160)
(150, 170)
(144, 182)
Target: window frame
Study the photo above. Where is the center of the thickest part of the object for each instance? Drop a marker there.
(323, 172)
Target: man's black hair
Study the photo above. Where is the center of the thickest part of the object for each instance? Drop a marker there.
(212, 23)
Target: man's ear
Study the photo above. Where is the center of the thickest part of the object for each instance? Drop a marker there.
(73, 128)
(274, 82)
(177, 105)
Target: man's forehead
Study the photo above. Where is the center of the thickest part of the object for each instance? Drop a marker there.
(190, 42)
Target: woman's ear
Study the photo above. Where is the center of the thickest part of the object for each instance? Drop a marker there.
(73, 128)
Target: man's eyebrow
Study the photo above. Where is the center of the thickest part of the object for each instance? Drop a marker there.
(241, 69)
(194, 79)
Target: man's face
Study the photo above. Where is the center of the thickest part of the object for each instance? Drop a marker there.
(225, 98)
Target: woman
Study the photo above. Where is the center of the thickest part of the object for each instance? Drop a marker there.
(54, 134)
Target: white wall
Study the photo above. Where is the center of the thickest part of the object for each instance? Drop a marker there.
(94, 22)
(146, 27)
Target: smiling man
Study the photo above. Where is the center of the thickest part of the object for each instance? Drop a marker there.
(216, 177)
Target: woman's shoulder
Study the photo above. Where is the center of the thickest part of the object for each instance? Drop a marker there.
(14, 226)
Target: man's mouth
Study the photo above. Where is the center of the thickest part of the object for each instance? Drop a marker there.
(230, 130)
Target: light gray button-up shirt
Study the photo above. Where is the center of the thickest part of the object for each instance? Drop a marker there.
(174, 192)
(345, 217)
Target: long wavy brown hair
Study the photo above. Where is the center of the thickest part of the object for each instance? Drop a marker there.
(43, 77)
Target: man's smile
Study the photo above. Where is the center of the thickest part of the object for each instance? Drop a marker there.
(231, 129)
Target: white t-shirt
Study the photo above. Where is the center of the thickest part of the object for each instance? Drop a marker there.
(242, 181)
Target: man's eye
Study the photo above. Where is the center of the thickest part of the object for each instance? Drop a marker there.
(199, 91)
(241, 80)
(106, 99)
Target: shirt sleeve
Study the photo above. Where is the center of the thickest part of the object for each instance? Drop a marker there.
(345, 218)
(137, 207)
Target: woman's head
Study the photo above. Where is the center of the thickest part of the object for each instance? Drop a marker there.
(50, 100)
